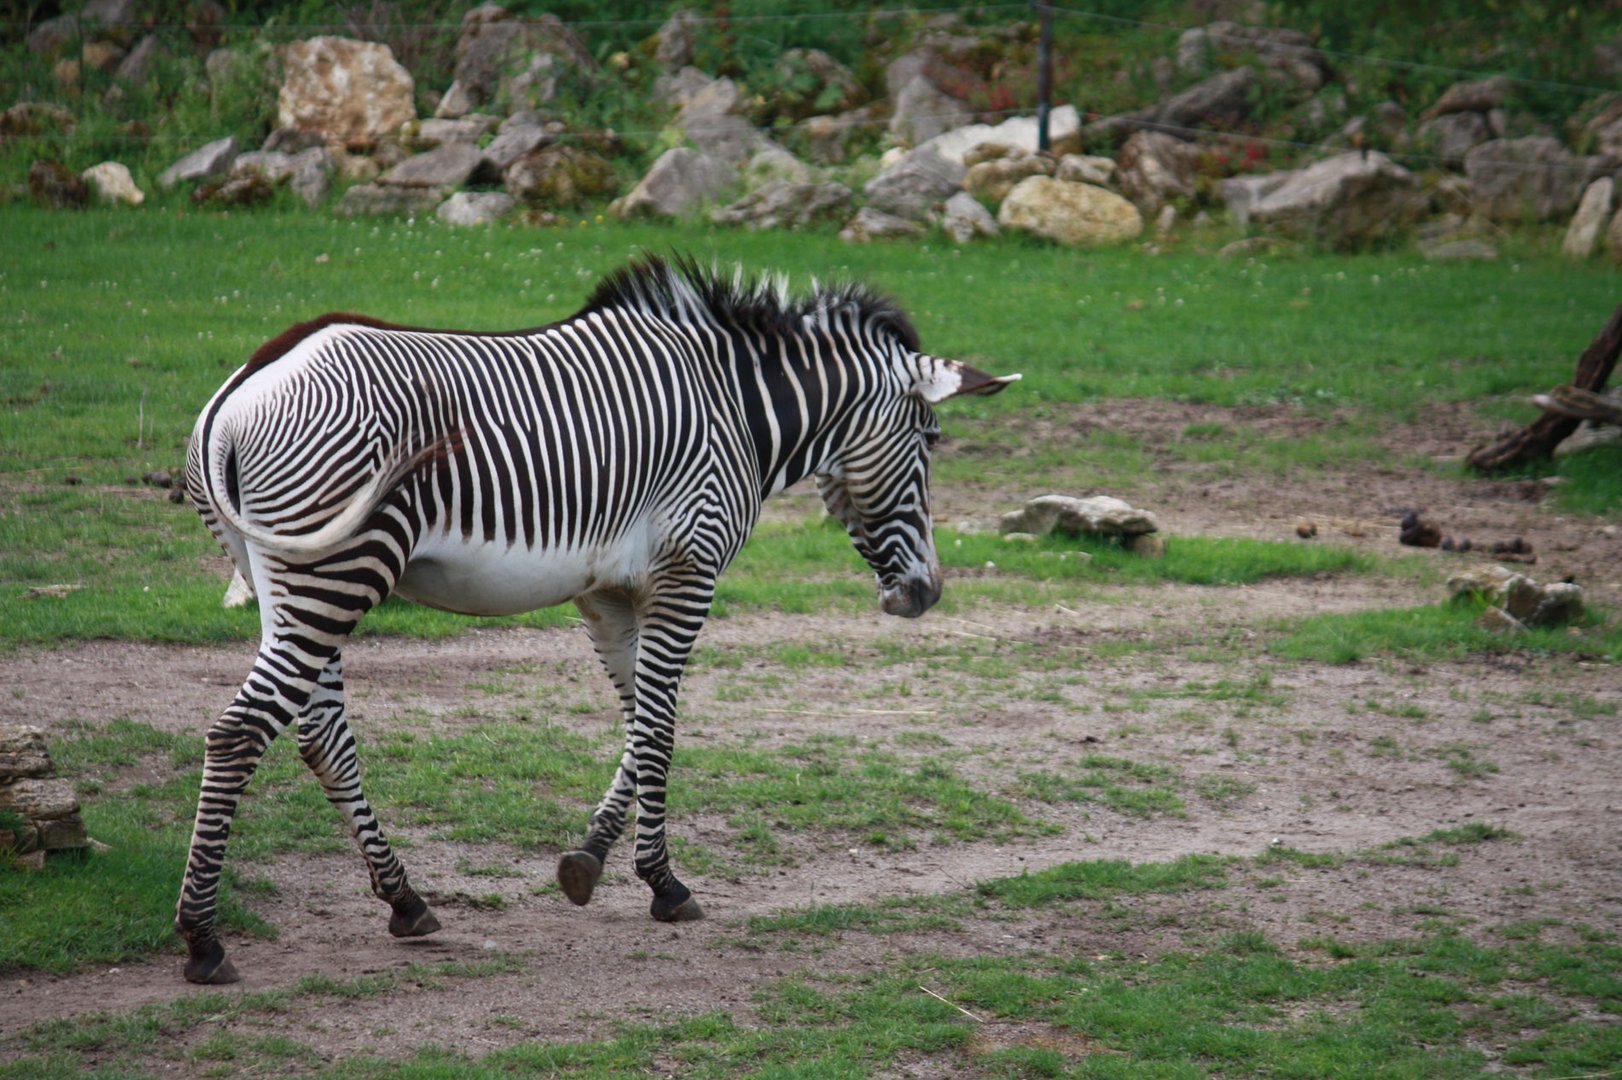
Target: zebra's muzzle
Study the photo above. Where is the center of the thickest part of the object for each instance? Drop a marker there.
(910, 597)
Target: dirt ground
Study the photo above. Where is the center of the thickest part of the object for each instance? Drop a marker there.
(1338, 759)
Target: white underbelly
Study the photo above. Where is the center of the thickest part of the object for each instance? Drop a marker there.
(476, 578)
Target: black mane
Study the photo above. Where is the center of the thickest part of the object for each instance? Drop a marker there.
(749, 304)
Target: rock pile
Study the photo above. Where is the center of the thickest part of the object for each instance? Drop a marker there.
(347, 110)
(1515, 601)
(38, 812)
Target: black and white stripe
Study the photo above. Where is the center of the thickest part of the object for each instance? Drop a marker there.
(617, 459)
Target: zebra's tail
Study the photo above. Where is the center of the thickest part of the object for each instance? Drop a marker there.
(218, 492)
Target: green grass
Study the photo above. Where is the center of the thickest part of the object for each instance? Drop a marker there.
(516, 782)
(1435, 632)
(1236, 1004)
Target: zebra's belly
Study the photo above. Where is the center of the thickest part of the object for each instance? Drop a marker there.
(492, 579)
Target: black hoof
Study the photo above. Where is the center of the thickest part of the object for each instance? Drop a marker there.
(578, 872)
(677, 905)
(207, 964)
(412, 918)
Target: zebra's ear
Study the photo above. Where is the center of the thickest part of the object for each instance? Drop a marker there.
(948, 379)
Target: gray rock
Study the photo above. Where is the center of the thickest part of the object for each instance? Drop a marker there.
(1086, 169)
(469, 208)
(1555, 604)
(308, 172)
(871, 223)
(52, 37)
(1098, 515)
(1605, 128)
(921, 111)
(29, 118)
(678, 184)
(1240, 194)
(912, 186)
(786, 204)
(675, 91)
(369, 199)
(1078, 214)
(1220, 102)
(1153, 169)
(827, 138)
(678, 40)
(436, 131)
(448, 166)
(513, 62)
(773, 163)
(1285, 55)
(1344, 200)
(809, 81)
(711, 120)
(1499, 621)
(1534, 178)
(965, 219)
(1477, 96)
(1452, 135)
(1462, 249)
(204, 163)
(137, 65)
(508, 147)
(1589, 222)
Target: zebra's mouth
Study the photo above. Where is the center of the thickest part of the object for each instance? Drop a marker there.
(909, 597)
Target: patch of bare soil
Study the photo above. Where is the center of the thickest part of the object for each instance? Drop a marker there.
(1264, 755)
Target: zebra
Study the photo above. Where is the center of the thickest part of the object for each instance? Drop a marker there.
(617, 458)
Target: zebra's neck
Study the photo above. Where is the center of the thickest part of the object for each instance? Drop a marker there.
(798, 395)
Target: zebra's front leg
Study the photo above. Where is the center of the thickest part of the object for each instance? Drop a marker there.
(668, 625)
(328, 748)
(611, 620)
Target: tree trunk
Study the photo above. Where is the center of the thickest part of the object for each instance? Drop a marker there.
(1538, 440)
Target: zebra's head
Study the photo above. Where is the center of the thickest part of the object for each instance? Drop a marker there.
(878, 485)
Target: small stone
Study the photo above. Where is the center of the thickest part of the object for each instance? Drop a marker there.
(1147, 546)
(1019, 538)
(1499, 621)
(1306, 528)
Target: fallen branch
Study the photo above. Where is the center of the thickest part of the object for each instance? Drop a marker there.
(1538, 440)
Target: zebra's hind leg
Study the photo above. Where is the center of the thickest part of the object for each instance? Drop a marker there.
(277, 689)
(611, 619)
(328, 748)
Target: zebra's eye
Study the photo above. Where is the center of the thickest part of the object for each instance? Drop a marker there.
(931, 438)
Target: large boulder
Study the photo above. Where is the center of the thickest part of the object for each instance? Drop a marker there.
(1095, 515)
(1535, 178)
(1153, 169)
(511, 62)
(560, 175)
(352, 92)
(678, 184)
(1070, 213)
(786, 204)
(676, 42)
(912, 186)
(205, 163)
(1344, 201)
(1589, 222)
(112, 183)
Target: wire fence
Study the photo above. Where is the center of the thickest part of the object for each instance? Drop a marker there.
(1203, 134)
